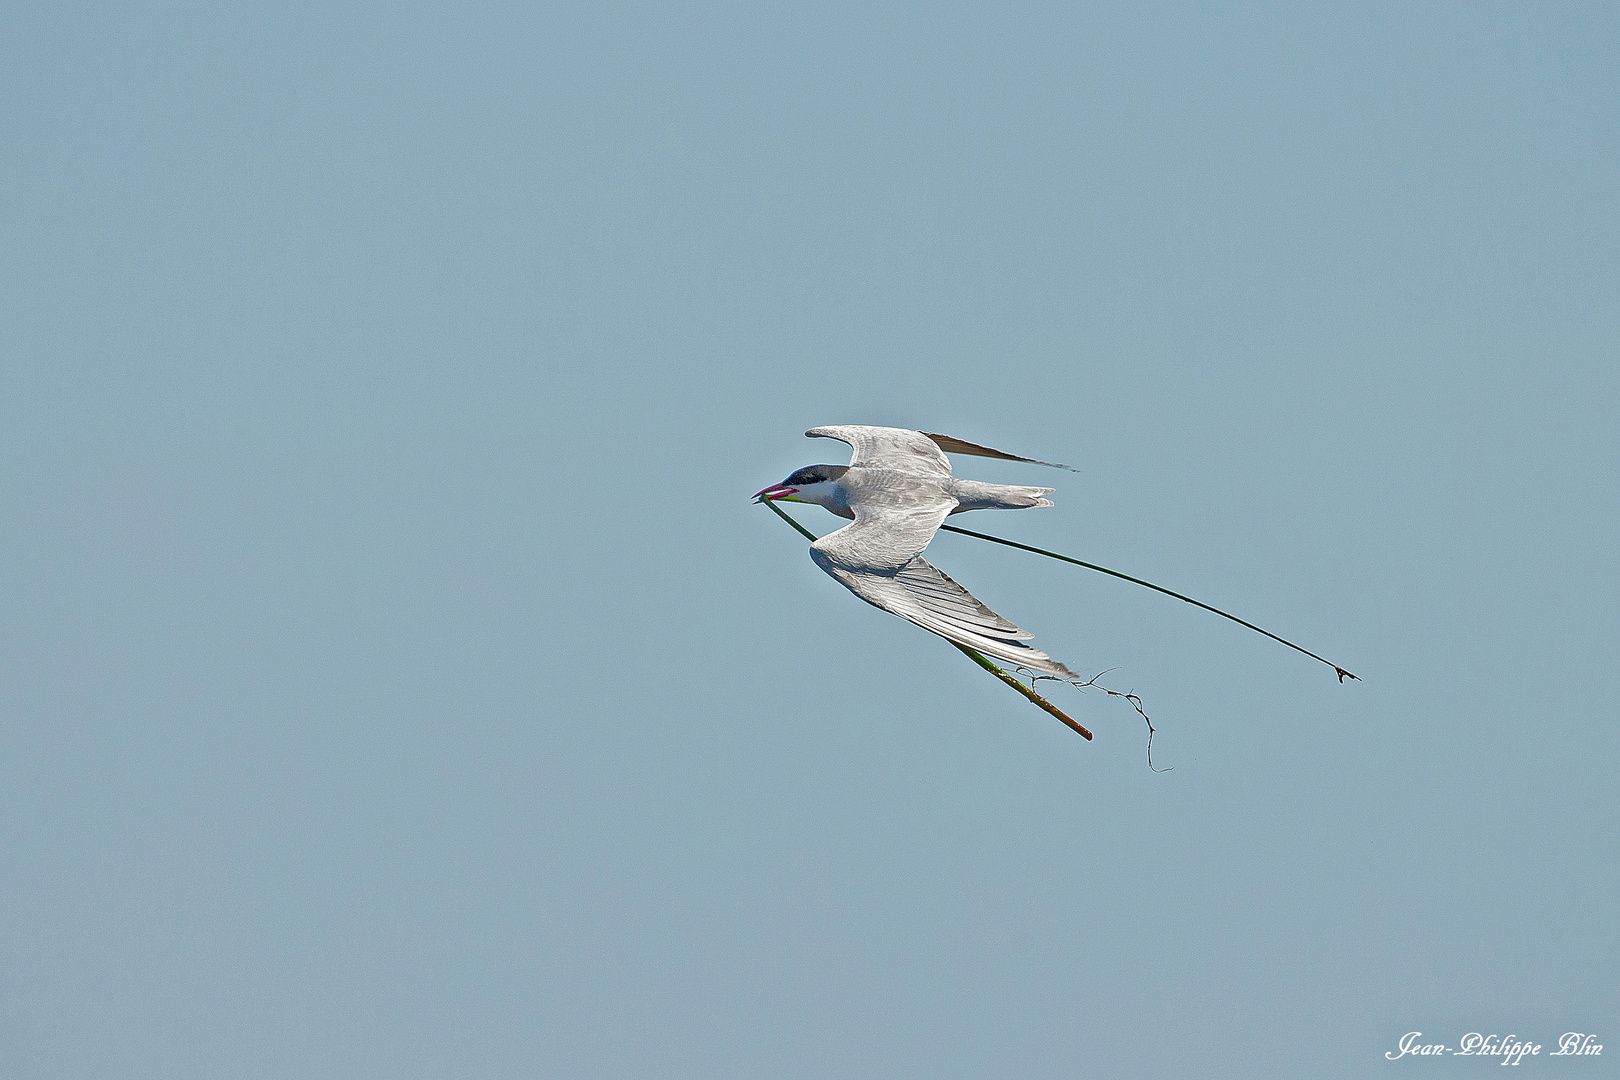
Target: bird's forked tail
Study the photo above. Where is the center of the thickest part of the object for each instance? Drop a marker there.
(977, 495)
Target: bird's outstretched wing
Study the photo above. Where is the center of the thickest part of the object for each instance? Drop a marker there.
(913, 451)
(896, 449)
(887, 532)
(919, 592)
(961, 446)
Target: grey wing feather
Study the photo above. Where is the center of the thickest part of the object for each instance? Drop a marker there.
(898, 449)
(962, 446)
(921, 593)
(884, 537)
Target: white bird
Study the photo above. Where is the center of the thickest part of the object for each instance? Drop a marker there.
(898, 489)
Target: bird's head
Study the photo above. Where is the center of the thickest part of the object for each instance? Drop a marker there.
(812, 484)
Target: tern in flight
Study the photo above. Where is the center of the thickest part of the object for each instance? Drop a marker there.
(899, 490)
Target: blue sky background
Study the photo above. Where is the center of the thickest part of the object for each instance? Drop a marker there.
(395, 680)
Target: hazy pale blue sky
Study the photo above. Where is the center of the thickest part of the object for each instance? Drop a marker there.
(395, 680)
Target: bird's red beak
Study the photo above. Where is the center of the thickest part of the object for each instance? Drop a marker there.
(775, 491)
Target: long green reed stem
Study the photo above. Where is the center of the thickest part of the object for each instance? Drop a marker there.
(1343, 674)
